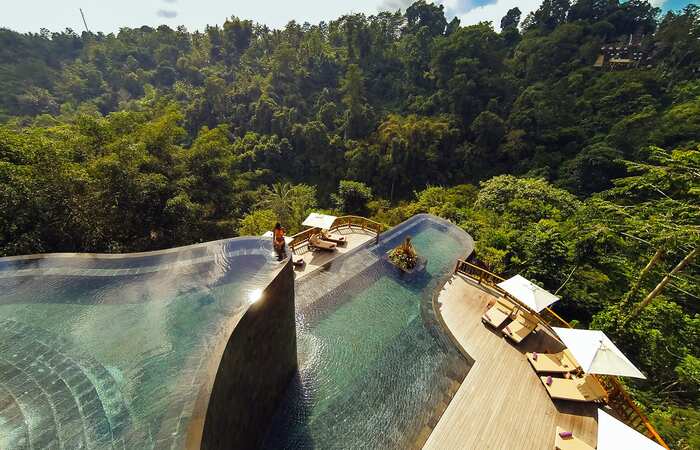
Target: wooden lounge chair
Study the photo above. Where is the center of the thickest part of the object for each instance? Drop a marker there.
(316, 243)
(569, 443)
(561, 362)
(521, 327)
(335, 238)
(586, 389)
(498, 313)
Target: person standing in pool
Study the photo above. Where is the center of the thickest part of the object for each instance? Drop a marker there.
(278, 241)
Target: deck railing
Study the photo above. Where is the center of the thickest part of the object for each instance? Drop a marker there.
(348, 222)
(618, 398)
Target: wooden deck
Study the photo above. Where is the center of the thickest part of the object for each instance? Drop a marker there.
(501, 404)
(316, 260)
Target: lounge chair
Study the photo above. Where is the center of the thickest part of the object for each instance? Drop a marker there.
(335, 238)
(569, 443)
(521, 327)
(561, 362)
(586, 389)
(316, 243)
(498, 313)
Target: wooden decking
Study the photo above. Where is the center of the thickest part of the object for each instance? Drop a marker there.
(315, 260)
(501, 404)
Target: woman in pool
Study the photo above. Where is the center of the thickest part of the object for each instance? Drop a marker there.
(278, 241)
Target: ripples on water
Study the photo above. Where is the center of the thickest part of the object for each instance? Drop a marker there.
(375, 369)
(124, 342)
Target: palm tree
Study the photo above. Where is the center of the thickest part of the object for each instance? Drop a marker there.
(278, 198)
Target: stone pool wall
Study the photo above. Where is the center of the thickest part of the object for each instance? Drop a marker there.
(255, 369)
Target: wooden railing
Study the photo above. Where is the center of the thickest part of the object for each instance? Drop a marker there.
(618, 399)
(348, 222)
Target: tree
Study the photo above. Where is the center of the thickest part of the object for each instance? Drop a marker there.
(352, 87)
(237, 35)
(289, 203)
(544, 201)
(278, 199)
(257, 222)
(488, 130)
(352, 197)
(431, 16)
(662, 284)
(592, 170)
(511, 19)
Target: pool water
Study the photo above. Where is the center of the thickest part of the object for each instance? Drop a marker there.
(111, 352)
(375, 368)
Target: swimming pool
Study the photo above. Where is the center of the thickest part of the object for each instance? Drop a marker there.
(375, 368)
(111, 351)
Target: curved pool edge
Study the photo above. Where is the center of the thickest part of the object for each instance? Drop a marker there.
(446, 329)
(436, 294)
(88, 255)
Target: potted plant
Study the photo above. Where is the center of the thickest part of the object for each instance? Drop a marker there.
(405, 257)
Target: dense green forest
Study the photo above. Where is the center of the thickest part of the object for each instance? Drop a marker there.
(585, 179)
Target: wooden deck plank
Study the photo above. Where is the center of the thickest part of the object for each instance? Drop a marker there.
(315, 260)
(501, 404)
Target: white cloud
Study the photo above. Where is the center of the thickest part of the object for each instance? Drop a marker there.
(495, 11)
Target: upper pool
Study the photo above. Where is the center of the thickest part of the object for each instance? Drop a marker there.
(113, 351)
(376, 369)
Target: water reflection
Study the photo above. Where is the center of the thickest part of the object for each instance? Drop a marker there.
(113, 349)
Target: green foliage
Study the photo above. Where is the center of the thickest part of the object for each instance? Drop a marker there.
(404, 256)
(290, 204)
(528, 199)
(257, 222)
(679, 426)
(688, 372)
(352, 197)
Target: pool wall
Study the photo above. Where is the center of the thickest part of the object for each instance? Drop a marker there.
(259, 360)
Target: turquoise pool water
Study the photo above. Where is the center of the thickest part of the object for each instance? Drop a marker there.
(110, 352)
(375, 368)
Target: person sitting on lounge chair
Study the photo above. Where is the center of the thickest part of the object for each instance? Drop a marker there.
(316, 243)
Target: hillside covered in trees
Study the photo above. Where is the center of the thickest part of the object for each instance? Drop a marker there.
(583, 178)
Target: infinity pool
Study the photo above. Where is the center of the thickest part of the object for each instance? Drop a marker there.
(375, 368)
(111, 351)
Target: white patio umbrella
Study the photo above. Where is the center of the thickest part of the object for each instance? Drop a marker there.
(322, 221)
(533, 296)
(287, 239)
(615, 435)
(596, 353)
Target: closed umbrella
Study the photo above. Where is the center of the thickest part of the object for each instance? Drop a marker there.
(596, 353)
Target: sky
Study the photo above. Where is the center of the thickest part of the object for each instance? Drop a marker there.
(110, 15)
